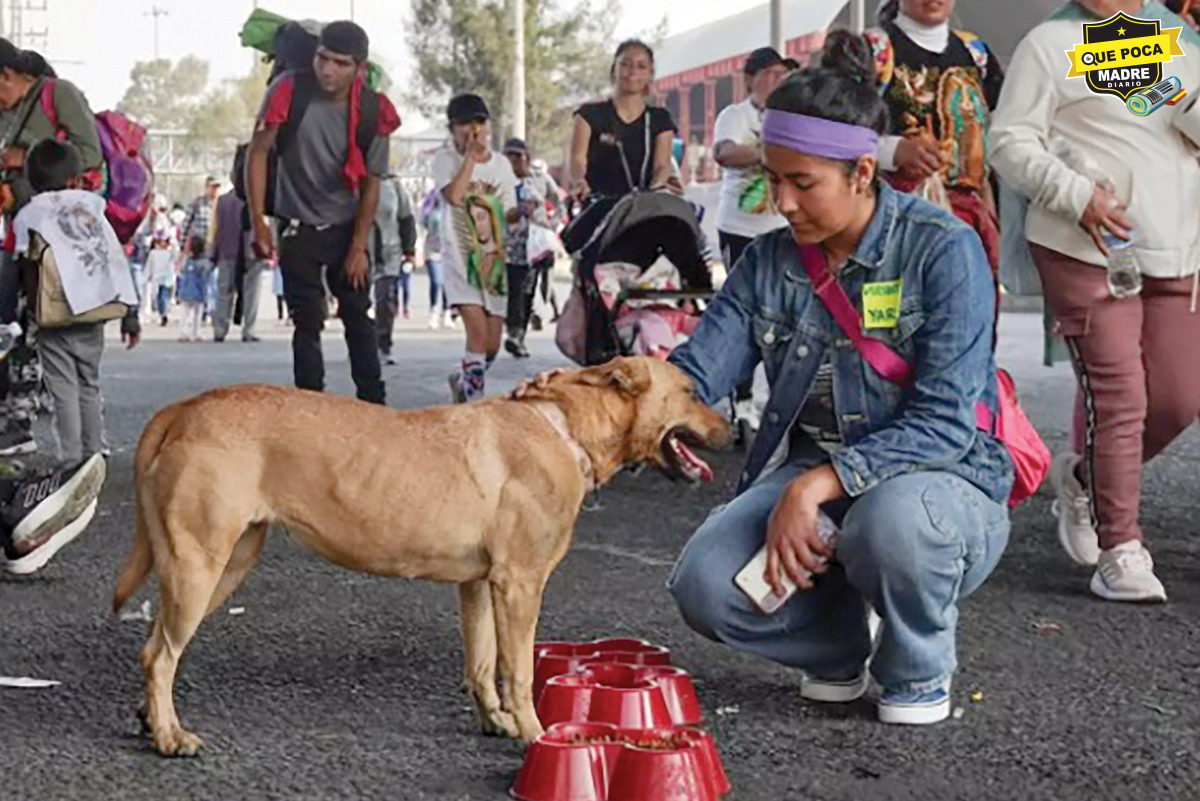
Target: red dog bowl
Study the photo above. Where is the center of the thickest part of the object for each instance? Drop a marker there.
(661, 765)
(605, 693)
(569, 763)
(598, 762)
(679, 692)
(557, 659)
(552, 659)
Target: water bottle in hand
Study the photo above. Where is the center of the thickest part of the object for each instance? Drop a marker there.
(1124, 273)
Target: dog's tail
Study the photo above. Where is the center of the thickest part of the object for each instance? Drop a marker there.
(141, 558)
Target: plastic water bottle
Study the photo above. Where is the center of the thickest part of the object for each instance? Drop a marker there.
(1124, 273)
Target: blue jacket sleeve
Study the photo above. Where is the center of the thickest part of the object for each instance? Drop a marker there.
(953, 362)
(721, 352)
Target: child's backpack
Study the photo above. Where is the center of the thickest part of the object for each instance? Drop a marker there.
(44, 290)
(127, 179)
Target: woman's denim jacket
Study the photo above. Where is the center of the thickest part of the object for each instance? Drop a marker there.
(767, 311)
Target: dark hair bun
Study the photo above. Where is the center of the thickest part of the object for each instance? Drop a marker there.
(842, 88)
(851, 55)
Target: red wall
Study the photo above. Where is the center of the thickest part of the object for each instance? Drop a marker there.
(801, 48)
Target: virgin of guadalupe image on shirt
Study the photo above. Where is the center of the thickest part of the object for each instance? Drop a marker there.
(753, 197)
(485, 259)
(962, 117)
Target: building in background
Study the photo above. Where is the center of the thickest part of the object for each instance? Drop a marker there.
(700, 70)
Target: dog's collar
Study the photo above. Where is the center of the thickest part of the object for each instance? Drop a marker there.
(556, 418)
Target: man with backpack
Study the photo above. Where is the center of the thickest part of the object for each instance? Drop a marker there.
(326, 134)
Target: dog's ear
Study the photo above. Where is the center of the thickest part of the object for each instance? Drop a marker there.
(630, 375)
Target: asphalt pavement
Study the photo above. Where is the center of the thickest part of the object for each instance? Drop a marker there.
(334, 685)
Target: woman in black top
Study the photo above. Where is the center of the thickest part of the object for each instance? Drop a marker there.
(623, 144)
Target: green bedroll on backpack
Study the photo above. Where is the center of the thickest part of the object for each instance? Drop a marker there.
(262, 32)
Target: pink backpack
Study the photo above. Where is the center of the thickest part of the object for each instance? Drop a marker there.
(126, 180)
(1030, 456)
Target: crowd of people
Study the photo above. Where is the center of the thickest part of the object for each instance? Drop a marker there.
(868, 180)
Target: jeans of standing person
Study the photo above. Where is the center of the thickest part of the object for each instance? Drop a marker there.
(911, 548)
(732, 246)
(71, 360)
(1138, 369)
(437, 284)
(162, 300)
(138, 273)
(227, 288)
(309, 256)
(387, 305)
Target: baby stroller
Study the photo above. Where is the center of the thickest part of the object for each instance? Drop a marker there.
(641, 278)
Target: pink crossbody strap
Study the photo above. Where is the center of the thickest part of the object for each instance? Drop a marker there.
(883, 359)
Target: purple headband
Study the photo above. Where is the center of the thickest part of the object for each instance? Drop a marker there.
(818, 137)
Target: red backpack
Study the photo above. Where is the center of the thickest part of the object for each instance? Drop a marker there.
(126, 179)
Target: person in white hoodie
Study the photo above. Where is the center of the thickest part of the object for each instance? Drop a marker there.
(1136, 357)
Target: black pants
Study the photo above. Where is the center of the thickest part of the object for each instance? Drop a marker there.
(309, 257)
(387, 305)
(523, 282)
(732, 246)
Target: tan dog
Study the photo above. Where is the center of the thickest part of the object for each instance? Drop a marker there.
(484, 496)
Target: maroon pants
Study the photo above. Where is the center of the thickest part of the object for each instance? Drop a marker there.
(1138, 365)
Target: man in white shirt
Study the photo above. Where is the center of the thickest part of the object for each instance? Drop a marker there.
(745, 210)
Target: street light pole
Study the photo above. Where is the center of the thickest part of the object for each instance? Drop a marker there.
(777, 25)
(858, 16)
(517, 108)
(156, 12)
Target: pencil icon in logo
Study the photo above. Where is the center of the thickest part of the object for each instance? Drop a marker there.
(1166, 92)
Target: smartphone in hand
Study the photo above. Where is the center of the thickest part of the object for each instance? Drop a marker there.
(752, 578)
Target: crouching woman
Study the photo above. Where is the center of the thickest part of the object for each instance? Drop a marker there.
(918, 492)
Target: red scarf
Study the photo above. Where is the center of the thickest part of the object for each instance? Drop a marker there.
(355, 168)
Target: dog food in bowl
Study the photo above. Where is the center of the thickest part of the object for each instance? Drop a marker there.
(598, 762)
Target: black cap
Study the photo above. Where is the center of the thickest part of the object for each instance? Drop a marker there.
(762, 58)
(467, 108)
(346, 38)
(515, 145)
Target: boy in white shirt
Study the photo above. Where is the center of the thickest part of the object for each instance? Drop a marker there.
(478, 190)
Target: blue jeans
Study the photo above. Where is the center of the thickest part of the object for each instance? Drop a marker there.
(162, 303)
(911, 548)
(437, 283)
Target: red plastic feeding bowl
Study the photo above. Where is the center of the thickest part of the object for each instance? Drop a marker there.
(597, 762)
(629, 696)
(605, 693)
(568, 763)
(552, 659)
(679, 692)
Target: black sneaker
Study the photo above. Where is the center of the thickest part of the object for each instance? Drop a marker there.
(16, 441)
(516, 348)
(50, 510)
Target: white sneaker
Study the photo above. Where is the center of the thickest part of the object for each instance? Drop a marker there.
(1126, 573)
(826, 691)
(449, 321)
(435, 320)
(1073, 508)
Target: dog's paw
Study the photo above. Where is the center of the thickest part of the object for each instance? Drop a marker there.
(177, 743)
(499, 723)
(531, 731)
